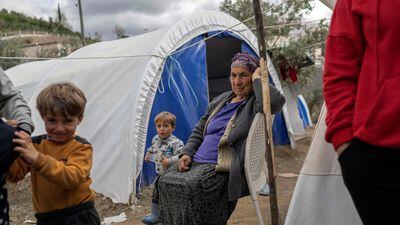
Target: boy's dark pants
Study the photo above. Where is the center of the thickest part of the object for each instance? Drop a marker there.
(82, 214)
(372, 176)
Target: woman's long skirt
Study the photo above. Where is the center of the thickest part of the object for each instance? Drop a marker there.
(196, 197)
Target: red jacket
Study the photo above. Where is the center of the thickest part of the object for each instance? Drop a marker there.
(362, 73)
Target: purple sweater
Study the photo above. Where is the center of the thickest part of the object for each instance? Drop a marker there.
(208, 150)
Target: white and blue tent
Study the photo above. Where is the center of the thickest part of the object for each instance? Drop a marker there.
(128, 81)
(304, 111)
(296, 104)
(320, 196)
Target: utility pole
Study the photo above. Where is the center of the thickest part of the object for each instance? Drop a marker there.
(81, 19)
(273, 200)
(59, 13)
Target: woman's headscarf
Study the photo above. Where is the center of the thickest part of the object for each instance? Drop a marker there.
(246, 61)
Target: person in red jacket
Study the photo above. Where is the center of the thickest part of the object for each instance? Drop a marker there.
(361, 90)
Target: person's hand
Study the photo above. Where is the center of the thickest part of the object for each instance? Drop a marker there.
(25, 147)
(147, 158)
(184, 163)
(256, 74)
(12, 123)
(165, 163)
(342, 147)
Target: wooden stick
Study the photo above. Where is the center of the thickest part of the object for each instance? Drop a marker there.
(267, 112)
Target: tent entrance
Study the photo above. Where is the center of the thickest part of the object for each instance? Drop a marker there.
(219, 52)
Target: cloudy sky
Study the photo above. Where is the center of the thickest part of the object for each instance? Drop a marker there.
(134, 16)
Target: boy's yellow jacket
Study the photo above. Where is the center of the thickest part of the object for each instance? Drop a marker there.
(60, 176)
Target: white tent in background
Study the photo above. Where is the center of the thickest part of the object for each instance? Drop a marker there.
(128, 81)
(297, 123)
(320, 196)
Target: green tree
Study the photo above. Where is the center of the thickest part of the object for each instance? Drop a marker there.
(288, 44)
(62, 18)
(10, 48)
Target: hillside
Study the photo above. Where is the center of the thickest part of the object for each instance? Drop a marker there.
(24, 36)
(13, 22)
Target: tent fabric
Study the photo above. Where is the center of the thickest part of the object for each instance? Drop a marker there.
(304, 112)
(280, 133)
(187, 96)
(320, 196)
(296, 123)
(121, 79)
(323, 200)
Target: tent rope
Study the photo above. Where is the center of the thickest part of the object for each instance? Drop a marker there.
(80, 58)
(294, 24)
(159, 86)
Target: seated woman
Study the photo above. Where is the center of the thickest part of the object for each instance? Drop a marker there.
(209, 180)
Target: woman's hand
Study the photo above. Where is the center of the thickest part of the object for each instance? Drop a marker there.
(184, 163)
(25, 147)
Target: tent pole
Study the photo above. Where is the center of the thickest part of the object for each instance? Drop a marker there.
(267, 112)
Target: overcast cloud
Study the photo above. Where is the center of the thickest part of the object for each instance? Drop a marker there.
(134, 16)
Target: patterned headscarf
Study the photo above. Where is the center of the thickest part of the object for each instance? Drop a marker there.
(246, 61)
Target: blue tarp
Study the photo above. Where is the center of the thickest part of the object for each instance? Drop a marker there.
(183, 91)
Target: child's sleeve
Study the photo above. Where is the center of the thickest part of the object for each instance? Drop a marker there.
(18, 170)
(151, 150)
(69, 174)
(177, 151)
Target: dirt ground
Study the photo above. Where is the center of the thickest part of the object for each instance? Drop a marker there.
(287, 161)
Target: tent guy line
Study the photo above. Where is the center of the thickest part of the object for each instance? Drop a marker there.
(74, 58)
(113, 57)
(294, 24)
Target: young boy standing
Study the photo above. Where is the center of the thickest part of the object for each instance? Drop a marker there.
(59, 161)
(164, 151)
